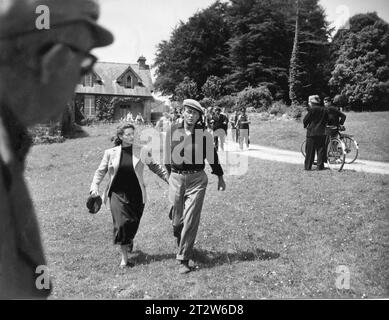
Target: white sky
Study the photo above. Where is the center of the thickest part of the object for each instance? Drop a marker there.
(138, 26)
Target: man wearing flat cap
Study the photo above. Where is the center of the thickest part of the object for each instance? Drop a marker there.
(187, 145)
(315, 122)
(39, 70)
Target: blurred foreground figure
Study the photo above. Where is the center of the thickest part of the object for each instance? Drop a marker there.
(39, 69)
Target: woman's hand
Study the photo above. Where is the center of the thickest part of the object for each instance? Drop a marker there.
(94, 194)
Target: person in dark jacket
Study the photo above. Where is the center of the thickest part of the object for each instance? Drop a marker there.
(220, 125)
(335, 122)
(315, 122)
(187, 146)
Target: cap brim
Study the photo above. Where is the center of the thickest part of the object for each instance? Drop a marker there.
(102, 36)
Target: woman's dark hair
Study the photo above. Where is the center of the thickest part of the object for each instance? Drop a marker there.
(120, 131)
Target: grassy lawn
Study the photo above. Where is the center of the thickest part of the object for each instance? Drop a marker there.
(277, 231)
(370, 129)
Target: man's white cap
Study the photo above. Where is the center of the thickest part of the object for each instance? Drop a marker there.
(193, 104)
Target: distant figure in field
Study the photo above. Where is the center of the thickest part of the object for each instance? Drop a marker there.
(129, 117)
(234, 129)
(39, 70)
(243, 125)
(163, 123)
(315, 122)
(139, 119)
(220, 125)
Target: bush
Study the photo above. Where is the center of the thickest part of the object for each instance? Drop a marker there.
(227, 102)
(278, 108)
(296, 111)
(48, 139)
(207, 103)
(259, 98)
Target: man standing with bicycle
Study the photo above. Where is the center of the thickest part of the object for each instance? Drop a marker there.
(335, 122)
(315, 122)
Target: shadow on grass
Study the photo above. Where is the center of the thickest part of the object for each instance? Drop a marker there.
(211, 259)
(207, 258)
(77, 133)
(139, 257)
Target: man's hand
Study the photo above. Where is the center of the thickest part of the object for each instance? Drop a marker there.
(221, 185)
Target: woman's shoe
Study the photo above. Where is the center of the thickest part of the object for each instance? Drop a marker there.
(184, 268)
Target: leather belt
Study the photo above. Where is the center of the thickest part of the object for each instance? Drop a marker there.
(185, 171)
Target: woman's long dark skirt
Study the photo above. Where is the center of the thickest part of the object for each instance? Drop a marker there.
(126, 215)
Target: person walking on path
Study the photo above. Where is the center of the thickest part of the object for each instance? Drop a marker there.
(220, 125)
(39, 70)
(126, 191)
(244, 129)
(315, 122)
(186, 147)
(234, 129)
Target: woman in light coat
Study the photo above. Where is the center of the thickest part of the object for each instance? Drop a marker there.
(126, 191)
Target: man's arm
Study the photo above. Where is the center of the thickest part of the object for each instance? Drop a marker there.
(342, 117)
(307, 118)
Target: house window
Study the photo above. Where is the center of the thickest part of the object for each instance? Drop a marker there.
(129, 82)
(88, 80)
(89, 106)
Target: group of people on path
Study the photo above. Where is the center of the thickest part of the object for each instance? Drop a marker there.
(183, 170)
(216, 122)
(321, 122)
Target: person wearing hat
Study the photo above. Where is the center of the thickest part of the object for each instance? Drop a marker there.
(187, 145)
(315, 122)
(126, 190)
(39, 70)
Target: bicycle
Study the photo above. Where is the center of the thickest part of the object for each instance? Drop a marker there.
(336, 153)
(351, 146)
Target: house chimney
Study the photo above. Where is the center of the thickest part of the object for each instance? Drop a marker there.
(142, 63)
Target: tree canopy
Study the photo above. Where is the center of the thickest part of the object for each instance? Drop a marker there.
(360, 78)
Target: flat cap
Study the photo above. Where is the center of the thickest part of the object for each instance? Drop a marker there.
(314, 99)
(18, 17)
(193, 104)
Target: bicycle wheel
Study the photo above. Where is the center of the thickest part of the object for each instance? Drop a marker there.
(351, 148)
(302, 149)
(336, 154)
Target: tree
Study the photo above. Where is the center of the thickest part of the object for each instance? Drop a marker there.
(296, 74)
(212, 88)
(187, 89)
(361, 74)
(196, 49)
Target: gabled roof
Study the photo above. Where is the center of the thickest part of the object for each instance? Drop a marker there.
(110, 72)
(129, 70)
